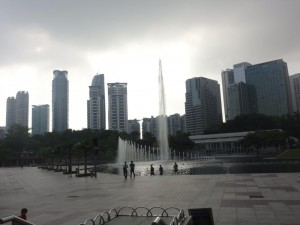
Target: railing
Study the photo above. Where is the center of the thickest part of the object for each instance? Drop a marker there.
(15, 220)
(106, 216)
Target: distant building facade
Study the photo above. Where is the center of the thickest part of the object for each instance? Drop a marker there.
(175, 124)
(40, 119)
(60, 101)
(295, 91)
(96, 116)
(238, 100)
(134, 126)
(269, 88)
(202, 105)
(22, 108)
(10, 112)
(17, 110)
(2, 132)
(149, 126)
(117, 106)
(230, 79)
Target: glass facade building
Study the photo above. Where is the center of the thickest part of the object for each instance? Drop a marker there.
(295, 91)
(269, 91)
(96, 116)
(60, 101)
(202, 105)
(40, 119)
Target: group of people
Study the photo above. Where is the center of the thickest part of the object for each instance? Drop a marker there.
(125, 170)
(132, 167)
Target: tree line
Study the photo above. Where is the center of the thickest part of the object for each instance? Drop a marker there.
(86, 143)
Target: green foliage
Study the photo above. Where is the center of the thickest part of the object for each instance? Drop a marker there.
(290, 154)
(270, 138)
(17, 139)
(256, 122)
(180, 142)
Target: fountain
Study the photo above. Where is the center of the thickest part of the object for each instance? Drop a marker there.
(130, 151)
(162, 119)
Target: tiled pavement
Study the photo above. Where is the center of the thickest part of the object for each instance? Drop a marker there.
(56, 199)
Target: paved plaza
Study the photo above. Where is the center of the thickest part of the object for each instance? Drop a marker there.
(56, 199)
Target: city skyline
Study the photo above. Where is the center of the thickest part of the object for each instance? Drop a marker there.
(194, 39)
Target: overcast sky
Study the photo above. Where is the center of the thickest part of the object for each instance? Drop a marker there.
(124, 40)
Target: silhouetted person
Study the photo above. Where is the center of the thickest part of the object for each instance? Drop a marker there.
(175, 168)
(132, 169)
(152, 170)
(125, 168)
(161, 170)
(23, 214)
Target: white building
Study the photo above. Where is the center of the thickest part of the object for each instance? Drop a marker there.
(40, 119)
(96, 116)
(117, 107)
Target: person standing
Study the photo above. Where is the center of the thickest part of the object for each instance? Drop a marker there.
(132, 169)
(23, 214)
(161, 170)
(152, 170)
(125, 169)
(175, 168)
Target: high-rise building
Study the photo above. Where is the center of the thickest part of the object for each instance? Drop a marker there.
(117, 106)
(238, 100)
(149, 126)
(134, 126)
(22, 108)
(96, 104)
(295, 91)
(60, 101)
(174, 124)
(17, 111)
(40, 119)
(269, 88)
(202, 105)
(10, 112)
(229, 78)
(183, 123)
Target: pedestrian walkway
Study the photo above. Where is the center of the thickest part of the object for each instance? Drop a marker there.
(53, 198)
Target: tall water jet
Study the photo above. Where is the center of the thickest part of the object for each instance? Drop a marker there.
(162, 119)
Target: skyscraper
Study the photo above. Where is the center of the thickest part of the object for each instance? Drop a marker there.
(295, 91)
(149, 126)
(22, 108)
(60, 101)
(230, 77)
(238, 100)
(174, 124)
(96, 104)
(40, 119)
(10, 112)
(17, 111)
(202, 105)
(117, 106)
(270, 92)
(133, 126)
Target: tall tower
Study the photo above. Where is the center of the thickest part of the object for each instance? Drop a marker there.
(117, 106)
(230, 79)
(202, 105)
(270, 92)
(96, 104)
(60, 101)
(10, 112)
(40, 119)
(22, 108)
(295, 89)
